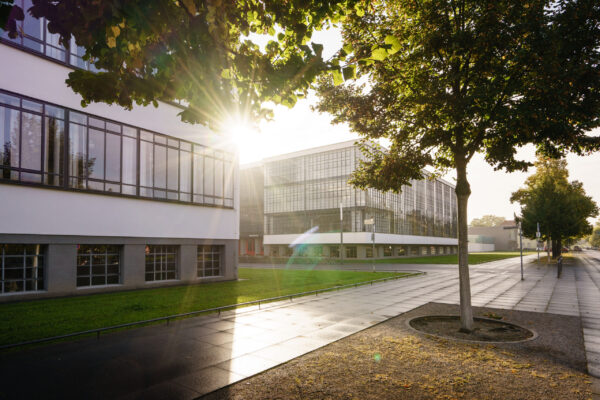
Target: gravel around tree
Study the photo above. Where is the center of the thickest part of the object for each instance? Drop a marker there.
(390, 361)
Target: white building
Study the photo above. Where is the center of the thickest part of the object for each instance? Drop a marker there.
(101, 198)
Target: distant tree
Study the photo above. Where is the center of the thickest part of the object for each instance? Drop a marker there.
(445, 79)
(487, 221)
(199, 52)
(594, 238)
(561, 207)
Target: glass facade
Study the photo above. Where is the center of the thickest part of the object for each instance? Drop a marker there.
(21, 268)
(161, 263)
(55, 146)
(98, 265)
(305, 192)
(34, 36)
(209, 261)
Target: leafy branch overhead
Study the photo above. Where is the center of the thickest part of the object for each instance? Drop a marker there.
(200, 53)
(448, 79)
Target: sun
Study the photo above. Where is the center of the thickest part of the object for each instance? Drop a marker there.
(246, 138)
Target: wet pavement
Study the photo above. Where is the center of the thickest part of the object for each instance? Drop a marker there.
(198, 355)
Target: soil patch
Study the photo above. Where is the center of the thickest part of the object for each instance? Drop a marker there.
(484, 330)
(392, 361)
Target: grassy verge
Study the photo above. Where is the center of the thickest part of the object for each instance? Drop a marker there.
(51, 317)
(474, 258)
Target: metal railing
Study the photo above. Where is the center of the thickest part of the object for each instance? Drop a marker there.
(218, 310)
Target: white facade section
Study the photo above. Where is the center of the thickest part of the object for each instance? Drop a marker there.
(47, 211)
(357, 238)
(28, 210)
(481, 247)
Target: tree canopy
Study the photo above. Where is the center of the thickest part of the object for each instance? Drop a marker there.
(444, 80)
(562, 208)
(201, 53)
(487, 221)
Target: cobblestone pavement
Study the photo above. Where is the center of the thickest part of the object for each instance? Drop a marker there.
(198, 355)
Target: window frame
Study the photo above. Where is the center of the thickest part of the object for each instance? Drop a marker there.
(160, 253)
(213, 250)
(66, 178)
(118, 250)
(40, 254)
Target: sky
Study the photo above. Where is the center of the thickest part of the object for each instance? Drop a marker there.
(301, 128)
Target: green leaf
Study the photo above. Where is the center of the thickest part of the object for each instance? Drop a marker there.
(394, 42)
(360, 10)
(379, 54)
(349, 72)
(338, 79)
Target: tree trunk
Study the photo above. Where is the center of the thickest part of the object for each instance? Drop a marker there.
(463, 191)
(555, 249)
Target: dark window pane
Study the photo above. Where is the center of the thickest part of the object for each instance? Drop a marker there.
(77, 154)
(77, 117)
(113, 127)
(9, 138)
(113, 157)
(54, 150)
(31, 146)
(96, 154)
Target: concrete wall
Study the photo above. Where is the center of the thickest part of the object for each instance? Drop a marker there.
(61, 264)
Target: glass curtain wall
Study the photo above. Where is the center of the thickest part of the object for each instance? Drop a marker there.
(305, 192)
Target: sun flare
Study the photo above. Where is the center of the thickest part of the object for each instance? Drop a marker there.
(246, 138)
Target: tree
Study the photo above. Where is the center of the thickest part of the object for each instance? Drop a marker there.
(443, 80)
(197, 52)
(488, 221)
(594, 238)
(560, 207)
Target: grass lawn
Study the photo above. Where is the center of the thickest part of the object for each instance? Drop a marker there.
(474, 258)
(42, 318)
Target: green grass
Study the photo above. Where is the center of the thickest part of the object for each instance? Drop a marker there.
(42, 318)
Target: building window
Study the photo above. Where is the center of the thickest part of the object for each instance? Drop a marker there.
(334, 251)
(400, 251)
(161, 263)
(22, 268)
(350, 251)
(369, 252)
(387, 251)
(250, 246)
(98, 265)
(54, 146)
(209, 261)
(34, 35)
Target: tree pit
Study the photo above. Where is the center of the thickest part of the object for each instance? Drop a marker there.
(484, 329)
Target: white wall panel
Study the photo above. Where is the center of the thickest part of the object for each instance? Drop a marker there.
(28, 210)
(357, 238)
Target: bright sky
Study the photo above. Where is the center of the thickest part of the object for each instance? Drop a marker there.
(300, 128)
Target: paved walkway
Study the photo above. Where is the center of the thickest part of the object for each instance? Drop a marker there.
(198, 355)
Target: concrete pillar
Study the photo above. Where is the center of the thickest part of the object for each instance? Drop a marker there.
(361, 251)
(133, 265)
(188, 259)
(61, 268)
(229, 257)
